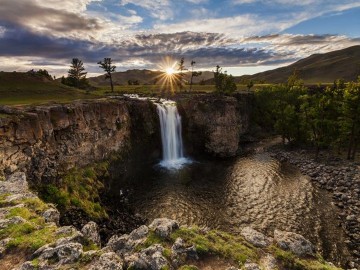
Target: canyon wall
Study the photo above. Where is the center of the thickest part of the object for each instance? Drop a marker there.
(44, 140)
(47, 139)
(213, 124)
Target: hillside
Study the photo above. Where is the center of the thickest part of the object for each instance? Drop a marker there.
(142, 76)
(316, 68)
(25, 88)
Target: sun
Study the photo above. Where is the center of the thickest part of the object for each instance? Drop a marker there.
(170, 71)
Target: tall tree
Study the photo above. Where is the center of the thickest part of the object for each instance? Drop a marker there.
(181, 68)
(109, 68)
(224, 83)
(193, 74)
(76, 73)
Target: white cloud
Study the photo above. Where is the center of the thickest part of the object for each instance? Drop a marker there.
(159, 9)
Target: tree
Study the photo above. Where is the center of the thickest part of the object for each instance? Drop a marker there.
(249, 85)
(107, 66)
(77, 74)
(193, 73)
(224, 83)
(181, 68)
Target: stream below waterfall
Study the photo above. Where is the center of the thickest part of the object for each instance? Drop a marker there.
(253, 190)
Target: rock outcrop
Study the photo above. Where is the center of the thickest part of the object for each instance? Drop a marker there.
(44, 140)
(213, 124)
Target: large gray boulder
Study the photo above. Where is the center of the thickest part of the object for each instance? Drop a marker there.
(255, 238)
(52, 215)
(294, 242)
(150, 258)
(64, 254)
(91, 232)
(108, 261)
(128, 242)
(164, 226)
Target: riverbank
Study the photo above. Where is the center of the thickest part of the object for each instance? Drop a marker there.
(30, 238)
(342, 179)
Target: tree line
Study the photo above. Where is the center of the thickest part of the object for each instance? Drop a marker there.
(323, 117)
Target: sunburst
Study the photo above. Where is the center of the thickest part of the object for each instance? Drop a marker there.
(168, 79)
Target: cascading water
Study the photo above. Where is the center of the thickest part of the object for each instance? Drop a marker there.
(171, 137)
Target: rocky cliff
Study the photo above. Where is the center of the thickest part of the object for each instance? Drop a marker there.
(213, 124)
(44, 140)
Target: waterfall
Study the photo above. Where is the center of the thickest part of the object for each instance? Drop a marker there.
(171, 137)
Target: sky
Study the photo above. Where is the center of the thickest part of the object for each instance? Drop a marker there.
(242, 36)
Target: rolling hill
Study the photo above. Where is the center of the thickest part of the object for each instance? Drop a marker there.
(142, 76)
(25, 88)
(324, 68)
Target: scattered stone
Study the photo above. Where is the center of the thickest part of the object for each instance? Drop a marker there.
(64, 254)
(256, 238)
(164, 226)
(91, 232)
(150, 258)
(294, 242)
(108, 261)
(268, 262)
(52, 215)
(10, 221)
(251, 266)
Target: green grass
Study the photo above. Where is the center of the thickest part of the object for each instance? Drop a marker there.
(22, 89)
(80, 187)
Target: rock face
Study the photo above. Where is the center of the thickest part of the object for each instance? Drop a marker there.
(213, 124)
(43, 140)
(164, 226)
(91, 232)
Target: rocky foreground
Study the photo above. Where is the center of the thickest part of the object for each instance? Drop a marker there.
(30, 238)
(340, 177)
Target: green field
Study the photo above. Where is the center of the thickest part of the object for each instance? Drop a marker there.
(22, 88)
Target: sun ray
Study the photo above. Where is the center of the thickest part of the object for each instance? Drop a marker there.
(168, 79)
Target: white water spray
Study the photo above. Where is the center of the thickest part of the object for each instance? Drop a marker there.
(171, 135)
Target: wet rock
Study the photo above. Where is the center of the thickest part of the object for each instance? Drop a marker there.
(52, 215)
(164, 226)
(108, 261)
(294, 242)
(256, 238)
(91, 232)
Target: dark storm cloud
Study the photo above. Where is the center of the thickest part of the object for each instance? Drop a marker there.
(20, 42)
(29, 15)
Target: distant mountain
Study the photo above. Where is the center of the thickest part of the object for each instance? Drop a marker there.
(324, 68)
(143, 77)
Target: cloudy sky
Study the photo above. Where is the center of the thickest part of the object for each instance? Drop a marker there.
(243, 36)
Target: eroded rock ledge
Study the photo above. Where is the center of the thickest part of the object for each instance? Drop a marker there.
(31, 239)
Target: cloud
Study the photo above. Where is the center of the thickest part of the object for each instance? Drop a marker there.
(47, 20)
(160, 9)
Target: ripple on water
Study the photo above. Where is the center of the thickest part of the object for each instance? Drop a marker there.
(255, 190)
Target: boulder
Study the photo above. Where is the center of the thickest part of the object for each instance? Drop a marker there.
(164, 226)
(251, 266)
(150, 258)
(64, 254)
(255, 238)
(10, 221)
(179, 249)
(268, 262)
(91, 232)
(294, 242)
(108, 261)
(52, 215)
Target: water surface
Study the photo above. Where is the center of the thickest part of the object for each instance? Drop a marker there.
(255, 190)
